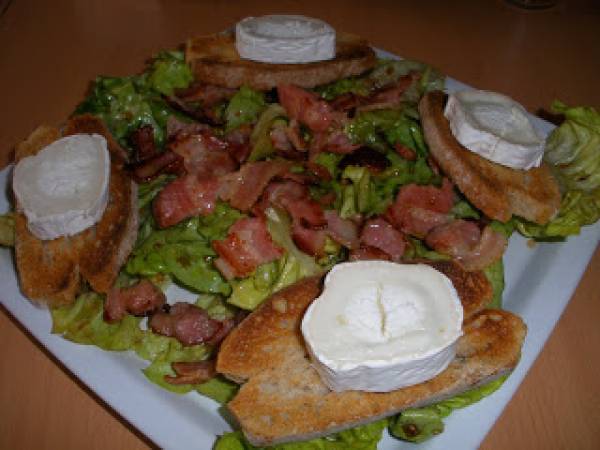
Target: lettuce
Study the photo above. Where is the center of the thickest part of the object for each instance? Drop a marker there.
(184, 251)
(353, 85)
(573, 150)
(218, 388)
(419, 424)
(7, 229)
(244, 107)
(260, 139)
(127, 103)
(495, 275)
(364, 437)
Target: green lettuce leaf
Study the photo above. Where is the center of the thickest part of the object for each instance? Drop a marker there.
(218, 388)
(7, 229)
(355, 85)
(419, 424)
(260, 139)
(244, 107)
(184, 251)
(127, 103)
(495, 275)
(364, 437)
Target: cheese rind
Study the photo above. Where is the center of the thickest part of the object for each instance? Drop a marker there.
(284, 39)
(495, 127)
(63, 189)
(380, 326)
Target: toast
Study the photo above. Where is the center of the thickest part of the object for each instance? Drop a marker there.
(284, 399)
(496, 190)
(215, 60)
(50, 272)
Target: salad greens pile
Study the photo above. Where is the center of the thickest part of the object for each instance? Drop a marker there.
(183, 253)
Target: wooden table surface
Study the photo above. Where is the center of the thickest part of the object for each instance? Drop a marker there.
(49, 51)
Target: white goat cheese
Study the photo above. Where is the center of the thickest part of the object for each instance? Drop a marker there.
(380, 326)
(284, 39)
(495, 127)
(63, 189)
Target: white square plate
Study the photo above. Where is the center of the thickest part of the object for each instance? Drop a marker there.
(539, 283)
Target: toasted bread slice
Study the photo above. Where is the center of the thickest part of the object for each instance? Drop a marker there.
(496, 190)
(50, 272)
(215, 60)
(284, 399)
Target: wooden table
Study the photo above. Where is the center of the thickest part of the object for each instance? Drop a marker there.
(49, 51)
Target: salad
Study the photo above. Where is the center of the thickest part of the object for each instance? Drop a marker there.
(388, 153)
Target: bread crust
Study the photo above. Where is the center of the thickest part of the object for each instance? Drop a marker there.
(215, 60)
(50, 272)
(284, 398)
(496, 190)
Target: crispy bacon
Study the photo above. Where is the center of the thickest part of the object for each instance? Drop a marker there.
(247, 245)
(309, 240)
(203, 154)
(142, 141)
(389, 96)
(305, 211)
(165, 162)
(365, 253)
(463, 241)
(185, 197)
(318, 170)
(176, 127)
(139, 299)
(191, 372)
(307, 108)
(407, 153)
(418, 209)
(243, 188)
(377, 233)
(238, 143)
(343, 231)
(294, 135)
(187, 323)
(207, 94)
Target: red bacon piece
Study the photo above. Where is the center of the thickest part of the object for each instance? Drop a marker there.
(247, 246)
(309, 240)
(142, 141)
(184, 197)
(191, 372)
(207, 94)
(366, 253)
(166, 162)
(139, 299)
(343, 231)
(204, 154)
(238, 143)
(380, 234)
(418, 209)
(304, 211)
(407, 153)
(243, 188)
(306, 107)
(463, 241)
(187, 323)
(176, 127)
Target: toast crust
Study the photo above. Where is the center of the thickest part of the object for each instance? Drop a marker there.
(284, 398)
(50, 272)
(215, 60)
(496, 190)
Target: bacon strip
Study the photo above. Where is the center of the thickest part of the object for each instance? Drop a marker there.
(243, 188)
(187, 323)
(139, 299)
(418, 209)
(191, 372)
(379, 234)
(184, 197)
(166, 162)
(343, 231)
(307, 108)
(247, 246)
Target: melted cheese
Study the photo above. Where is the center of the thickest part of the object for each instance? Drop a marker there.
(282, 39)
(63, 189)
(495, 127)
(380, 326)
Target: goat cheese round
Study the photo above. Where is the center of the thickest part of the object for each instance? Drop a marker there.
(284, 39)
(495, 127)
(63, 189)
(380, 326)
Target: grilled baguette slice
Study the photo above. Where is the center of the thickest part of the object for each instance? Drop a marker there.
(283, 398)
(215, 60)
(496, 190)
(50, 272)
